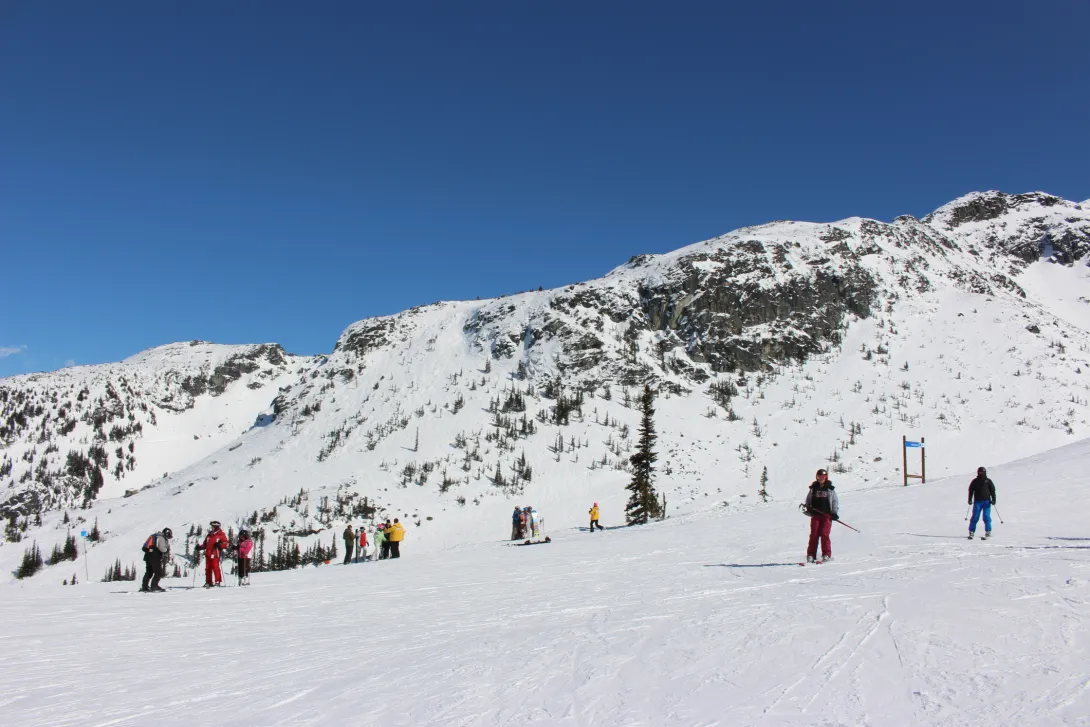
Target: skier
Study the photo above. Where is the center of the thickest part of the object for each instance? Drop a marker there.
(516, 524)
(349, 543)
(156, 551)
(214, 543)
(397, 534)
(594, 517)
(244, 548)
(981, 497)
(823, 507)
(527, 525)
(382, 545)
(361, 550)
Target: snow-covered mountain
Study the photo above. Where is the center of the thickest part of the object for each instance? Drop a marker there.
(784, 346)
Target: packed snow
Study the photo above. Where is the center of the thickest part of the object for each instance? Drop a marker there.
(698, 620)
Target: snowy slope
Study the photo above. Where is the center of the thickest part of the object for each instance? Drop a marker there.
(827, 343)
(702, 619)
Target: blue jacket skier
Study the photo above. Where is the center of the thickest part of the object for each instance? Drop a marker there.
(981, 497)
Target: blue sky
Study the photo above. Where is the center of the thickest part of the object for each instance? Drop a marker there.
(259, 171)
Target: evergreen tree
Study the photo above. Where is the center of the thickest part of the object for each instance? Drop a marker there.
(95, 535)
(32, 562)
(643, 503)
(763, 492)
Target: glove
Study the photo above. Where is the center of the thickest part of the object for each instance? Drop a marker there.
(970, 502)
(993, 502)
(834, 516)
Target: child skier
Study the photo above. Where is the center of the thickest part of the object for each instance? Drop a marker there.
(981, 497)
(594, 517)
(245, 549)
(822, 506)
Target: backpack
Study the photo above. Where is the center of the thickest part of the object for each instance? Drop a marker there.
(149, 544)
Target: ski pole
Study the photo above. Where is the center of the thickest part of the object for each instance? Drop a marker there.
(967, 512)
(848, 526)
(997, 514)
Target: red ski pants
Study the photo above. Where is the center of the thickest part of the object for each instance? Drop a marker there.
(820, 527)
(212, 568)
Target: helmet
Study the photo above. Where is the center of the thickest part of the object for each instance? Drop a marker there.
(821, 472)
(596, 504)
(243, 534)
(168, 533)
(981, 471)
(215, 523)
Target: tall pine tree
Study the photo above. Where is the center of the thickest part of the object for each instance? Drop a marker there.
(643, 503)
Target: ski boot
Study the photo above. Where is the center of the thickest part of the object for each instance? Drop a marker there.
(811, 559)
(987, 535)
(971, 536)
(827, 559)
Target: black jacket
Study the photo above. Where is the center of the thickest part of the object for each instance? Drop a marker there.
(822, 499)
(981, 489)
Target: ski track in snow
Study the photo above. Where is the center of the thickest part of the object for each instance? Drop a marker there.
(644, 626)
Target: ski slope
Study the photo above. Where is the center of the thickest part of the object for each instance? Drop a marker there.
(704, 619)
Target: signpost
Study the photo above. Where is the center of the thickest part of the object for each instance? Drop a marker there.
(905, 446)
(86, 558)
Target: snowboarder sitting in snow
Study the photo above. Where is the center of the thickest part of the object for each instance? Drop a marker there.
(822, 506)
(594, 517)
(981, 497)
(245, 549)
(156, 551)
(214, 543)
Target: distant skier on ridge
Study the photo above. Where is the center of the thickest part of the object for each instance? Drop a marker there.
(823, 507)
(981, 497)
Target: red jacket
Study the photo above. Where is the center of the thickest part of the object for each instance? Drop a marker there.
(363, 538)
(214, 542)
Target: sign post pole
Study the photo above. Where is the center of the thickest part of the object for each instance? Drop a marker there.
(904, 458)
(86, 557)
(923, 462)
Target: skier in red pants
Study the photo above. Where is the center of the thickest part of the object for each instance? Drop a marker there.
(214, 543)
(822, 507)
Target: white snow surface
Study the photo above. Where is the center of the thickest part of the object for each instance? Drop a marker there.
(699, 620)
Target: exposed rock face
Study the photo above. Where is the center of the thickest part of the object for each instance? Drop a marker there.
(1023, 227)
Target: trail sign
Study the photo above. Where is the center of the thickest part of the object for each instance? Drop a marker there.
(905, 446)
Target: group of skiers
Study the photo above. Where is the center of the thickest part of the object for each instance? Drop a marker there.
(387, 540)
(157, 552)
(525, 523)
(823, 507)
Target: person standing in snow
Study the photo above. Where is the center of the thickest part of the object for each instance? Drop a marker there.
(823, 507)
(156, 552)
(213, 546)
(516, 524)
(396, 535)
(245, 549)
(361, 546)
(526, 524)
(382, 540)
(535, 523)
(981, 497)
(349, 543)
(594, 517)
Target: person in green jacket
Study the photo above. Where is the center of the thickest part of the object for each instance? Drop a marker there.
(382, 550)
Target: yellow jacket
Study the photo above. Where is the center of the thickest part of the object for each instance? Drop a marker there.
(396, 533)
(594, 513)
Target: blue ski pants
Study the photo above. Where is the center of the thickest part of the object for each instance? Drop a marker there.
(981, 508)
